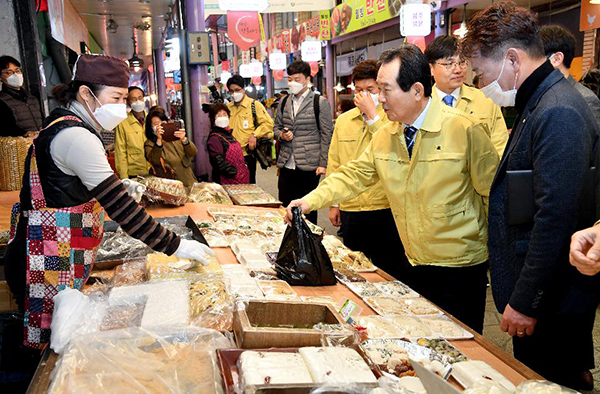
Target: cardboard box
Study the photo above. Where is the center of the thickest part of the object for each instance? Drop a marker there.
(256, 326)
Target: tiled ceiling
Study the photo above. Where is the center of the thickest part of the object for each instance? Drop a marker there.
(127, 14)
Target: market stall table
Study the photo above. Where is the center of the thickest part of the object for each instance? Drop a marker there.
(477, 348)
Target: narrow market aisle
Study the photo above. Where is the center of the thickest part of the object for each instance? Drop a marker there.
(267, 179)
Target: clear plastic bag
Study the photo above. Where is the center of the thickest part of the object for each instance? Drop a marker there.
(162, 360)
(159, 267)
(542, 387)
(131, 272)
(211, 305)
(164, 191)
(76, 314)
(118, 245)
(209, 193)
(167, 303)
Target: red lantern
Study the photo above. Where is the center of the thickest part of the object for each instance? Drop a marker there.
(256, 81)
(278, 75)
(314, 68)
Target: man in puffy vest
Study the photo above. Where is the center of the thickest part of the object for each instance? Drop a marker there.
(20, 112)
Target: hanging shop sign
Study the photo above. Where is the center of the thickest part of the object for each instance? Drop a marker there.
(291, 40)
(213, 7)
(254, 69)
(66, 25)
(311, 51)
(345, 63)
(324, 26)
(356, 15)
(243, 5)
(277, 61)
(590, 16)
(243, 28)
(415, 20)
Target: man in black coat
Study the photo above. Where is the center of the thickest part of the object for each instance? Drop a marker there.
(541, 195)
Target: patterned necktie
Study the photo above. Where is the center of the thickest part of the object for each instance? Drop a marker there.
(448, 99)
(410, 134)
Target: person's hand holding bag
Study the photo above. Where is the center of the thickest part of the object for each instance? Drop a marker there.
(193, 250)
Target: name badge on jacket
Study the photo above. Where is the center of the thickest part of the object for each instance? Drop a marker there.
(246, 124)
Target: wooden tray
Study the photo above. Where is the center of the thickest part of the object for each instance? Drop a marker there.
(230, 374)
(294, 313)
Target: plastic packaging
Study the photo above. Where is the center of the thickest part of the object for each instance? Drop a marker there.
(489, 387)
(302, 259)
(344, 258)
(159, 266)
(469, 373)
(336, 365)
(208, 193)
(163, 360)
(76, 314)
(542, 387)
(211, 305)
(118, 245)
(166, 302)
(442, 347)
(131, 272)
(164, 191)
(249, 195)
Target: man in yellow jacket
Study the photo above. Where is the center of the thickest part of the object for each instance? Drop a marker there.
(436, 165)
(366, 221)
(249, 121)
(130, 160)
(449, 70)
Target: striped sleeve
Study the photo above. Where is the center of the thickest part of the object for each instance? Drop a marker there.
(132, 218)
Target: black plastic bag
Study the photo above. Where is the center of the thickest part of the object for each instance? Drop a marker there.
(302, 259)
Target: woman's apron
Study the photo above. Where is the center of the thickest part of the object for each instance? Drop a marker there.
(235, 157)
(61, 245)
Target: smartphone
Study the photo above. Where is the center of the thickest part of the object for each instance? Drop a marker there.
(169, 129)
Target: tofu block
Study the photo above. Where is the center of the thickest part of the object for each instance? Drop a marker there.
(336, 365)
(259, 368)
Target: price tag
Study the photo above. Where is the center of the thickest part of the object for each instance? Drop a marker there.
(347, 310)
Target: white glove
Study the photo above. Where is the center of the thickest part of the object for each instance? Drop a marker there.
(194, 250)
(134, 189)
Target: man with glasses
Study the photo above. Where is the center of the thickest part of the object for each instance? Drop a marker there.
(449, 70)
(20, 112)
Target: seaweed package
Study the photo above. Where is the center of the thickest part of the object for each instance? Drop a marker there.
(302, 259)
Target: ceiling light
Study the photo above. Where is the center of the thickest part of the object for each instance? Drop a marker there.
(462, 30)
(338, 87)
(594, 1)
(351, 86)
(135, 62)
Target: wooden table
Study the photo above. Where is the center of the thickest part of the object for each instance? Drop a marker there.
(478, 348)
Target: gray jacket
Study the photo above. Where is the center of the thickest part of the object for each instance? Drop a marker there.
(590, 98)
(310, 145)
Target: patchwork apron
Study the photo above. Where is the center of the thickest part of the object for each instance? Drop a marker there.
(61, 246)
(235, 156)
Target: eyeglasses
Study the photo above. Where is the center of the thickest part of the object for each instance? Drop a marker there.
(11, 72)
(450, 65)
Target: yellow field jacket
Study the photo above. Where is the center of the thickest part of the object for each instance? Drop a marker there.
(129, 148)
(351, 136)
(439, 198)
(242, 122)
(473, 102)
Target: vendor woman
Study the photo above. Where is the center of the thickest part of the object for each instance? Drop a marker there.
(67, 186)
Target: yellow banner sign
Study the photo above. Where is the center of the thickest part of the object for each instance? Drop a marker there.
(356, 15)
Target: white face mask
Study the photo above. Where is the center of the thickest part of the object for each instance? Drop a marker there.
(237, 96)
(15, 80)
(109, 115)
(295, 87)
(375, 98)
(138, 106)
(502, 98)
(222, 122)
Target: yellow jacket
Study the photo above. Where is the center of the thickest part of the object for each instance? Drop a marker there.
(129, 148)
(351, 136)
(473, 102)
(242, 122)
(439, 198)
